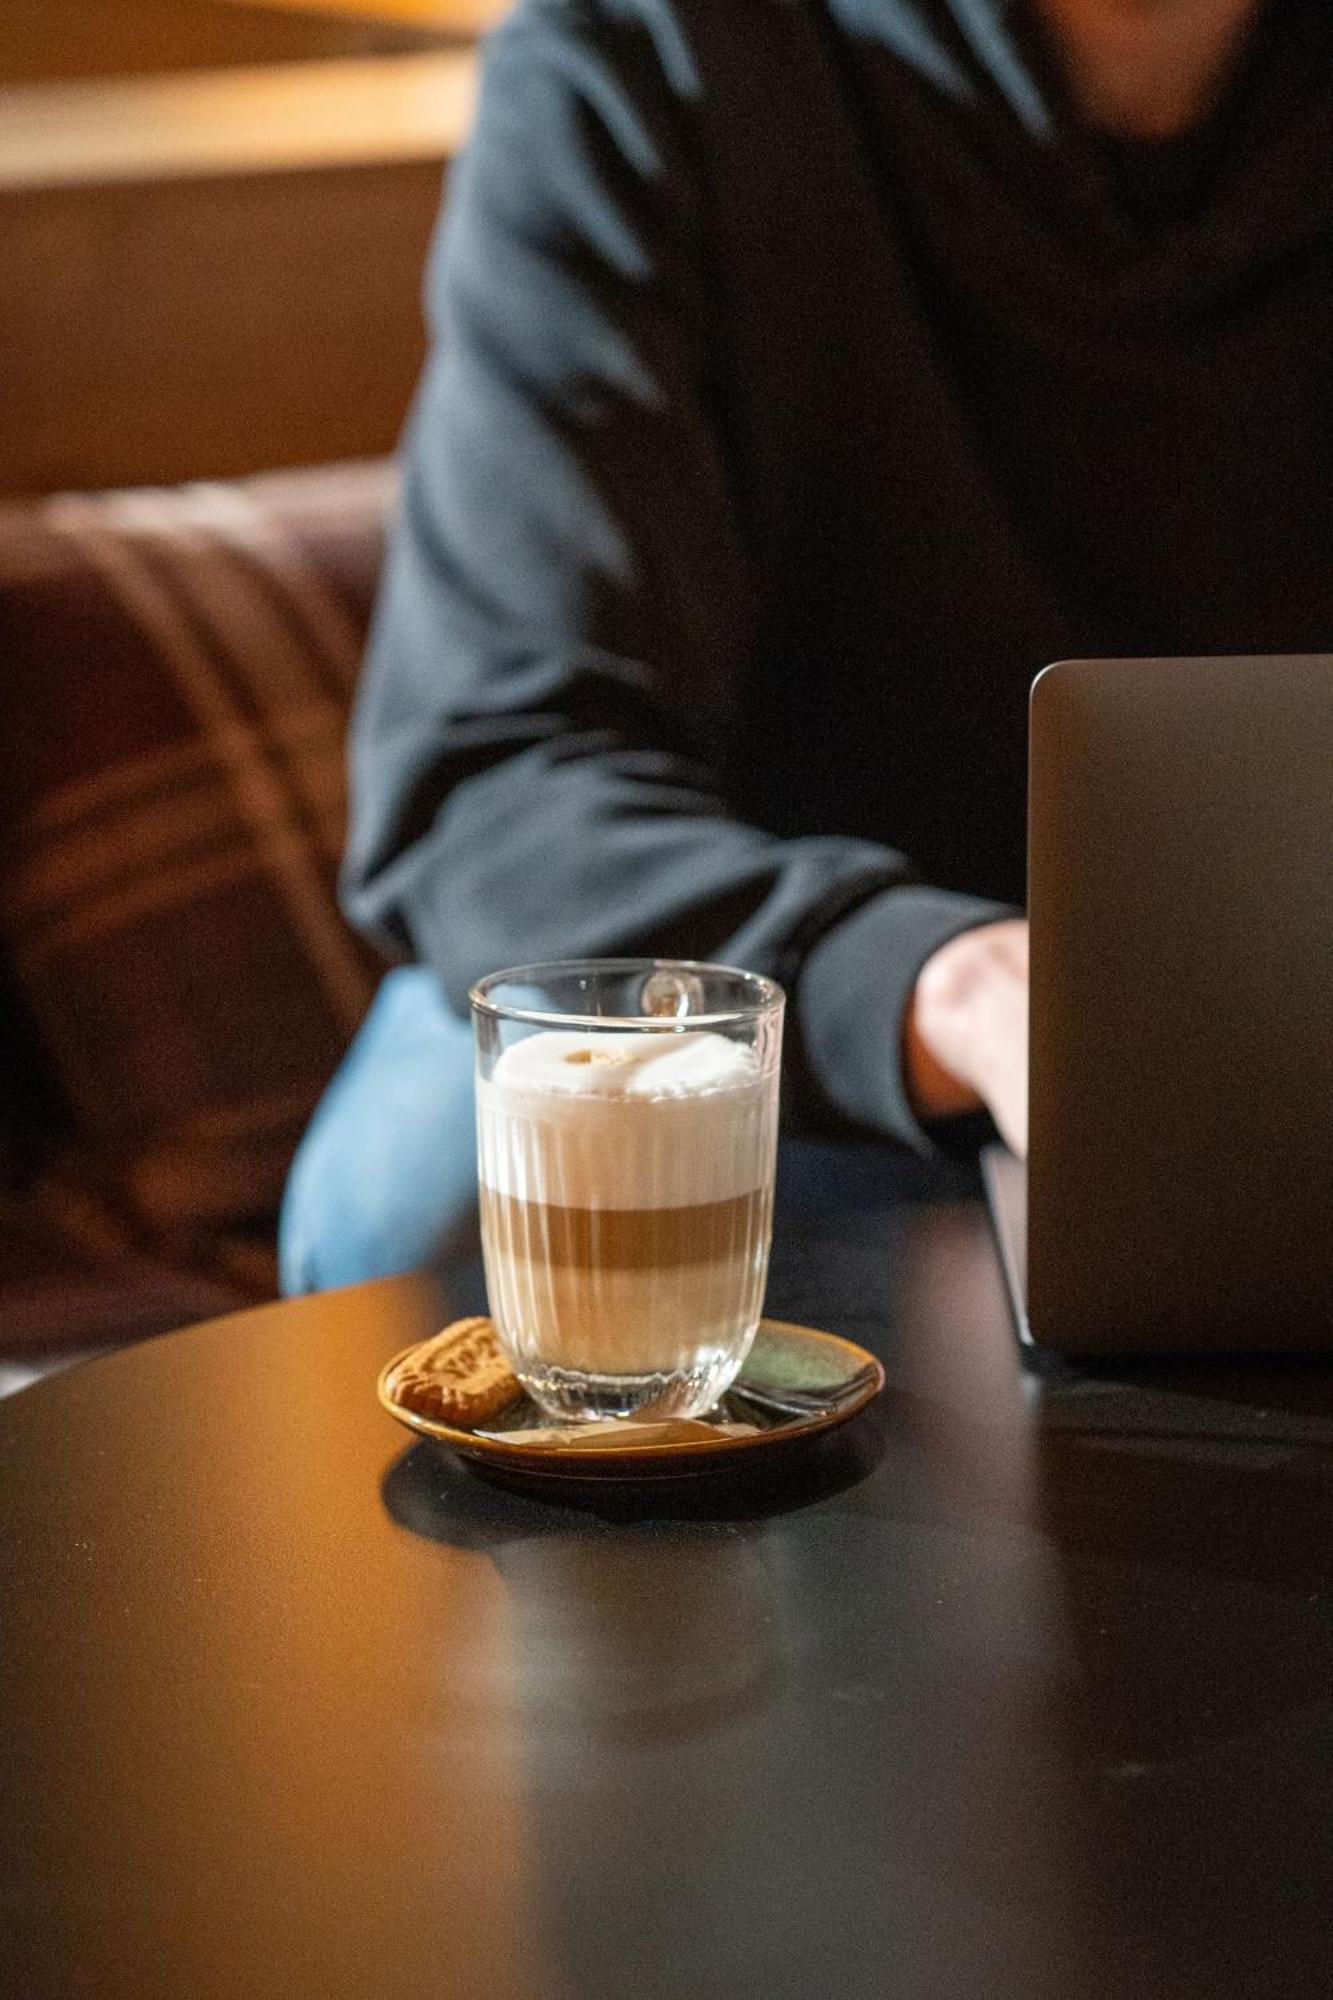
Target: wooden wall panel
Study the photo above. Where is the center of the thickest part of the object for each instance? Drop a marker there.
(43, 41)
(170, 330)
(220, 272)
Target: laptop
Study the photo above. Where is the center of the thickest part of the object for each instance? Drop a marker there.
(1178, 1197)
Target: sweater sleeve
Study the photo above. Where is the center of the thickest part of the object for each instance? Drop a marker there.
(568, 620)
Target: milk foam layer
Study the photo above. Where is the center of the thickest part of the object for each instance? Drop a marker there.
(626, 1120)
(678, 1064)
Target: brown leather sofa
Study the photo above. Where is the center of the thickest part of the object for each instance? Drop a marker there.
(176, 982)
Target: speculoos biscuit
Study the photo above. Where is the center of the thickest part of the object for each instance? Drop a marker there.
(459, 1377)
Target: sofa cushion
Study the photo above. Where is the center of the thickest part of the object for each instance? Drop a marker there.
(32, 1112)
(178, 668)
(71, 1285)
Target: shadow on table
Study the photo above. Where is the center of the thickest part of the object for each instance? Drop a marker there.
(1255, 1398)
(1193, 1552)
(1176, 1517)
(469, 1505)
(630, 1635)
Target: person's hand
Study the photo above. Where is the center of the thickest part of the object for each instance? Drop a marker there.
(965, 1040)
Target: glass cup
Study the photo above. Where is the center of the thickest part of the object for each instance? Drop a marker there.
(627, 1114)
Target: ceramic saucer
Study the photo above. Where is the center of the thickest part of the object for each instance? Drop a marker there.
(794, 1382)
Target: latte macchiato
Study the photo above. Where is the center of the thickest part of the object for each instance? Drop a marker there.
(626, 1194)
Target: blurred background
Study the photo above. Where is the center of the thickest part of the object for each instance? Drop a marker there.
(213, 219)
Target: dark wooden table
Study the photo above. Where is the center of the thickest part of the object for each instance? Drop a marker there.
(1018, 1686)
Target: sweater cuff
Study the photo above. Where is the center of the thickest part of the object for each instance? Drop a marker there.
(853, 993)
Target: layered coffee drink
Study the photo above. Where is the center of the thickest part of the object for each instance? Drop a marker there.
(626, 1186)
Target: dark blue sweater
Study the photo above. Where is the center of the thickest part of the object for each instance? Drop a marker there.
(805, 379)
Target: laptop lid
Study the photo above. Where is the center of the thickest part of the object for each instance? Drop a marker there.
(1180, 1171)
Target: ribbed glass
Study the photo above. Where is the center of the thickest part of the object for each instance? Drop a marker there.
(626, 1238)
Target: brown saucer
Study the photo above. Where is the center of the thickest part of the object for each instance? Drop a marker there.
(794, 1382)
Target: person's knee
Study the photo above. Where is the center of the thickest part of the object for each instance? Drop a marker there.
(385, 1178)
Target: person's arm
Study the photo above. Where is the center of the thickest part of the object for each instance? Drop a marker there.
(568, 619)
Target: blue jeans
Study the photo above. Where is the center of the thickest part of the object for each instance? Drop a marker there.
(385, 1179)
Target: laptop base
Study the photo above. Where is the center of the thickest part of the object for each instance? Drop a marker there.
(1005, 1179)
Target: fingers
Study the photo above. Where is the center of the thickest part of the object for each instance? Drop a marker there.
(969, 1025)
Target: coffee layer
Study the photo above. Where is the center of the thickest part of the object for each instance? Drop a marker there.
(633, 1239)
